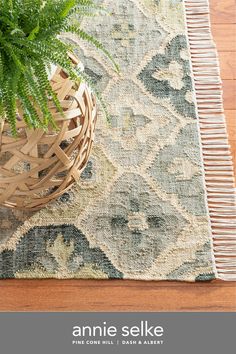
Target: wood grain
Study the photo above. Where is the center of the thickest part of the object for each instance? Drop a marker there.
(116, 295)
(228, 65)
(225, 36)
(223, 11)
(229, 88)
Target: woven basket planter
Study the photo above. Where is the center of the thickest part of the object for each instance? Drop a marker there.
(38, 166)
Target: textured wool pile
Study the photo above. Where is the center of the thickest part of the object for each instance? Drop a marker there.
(156, 200)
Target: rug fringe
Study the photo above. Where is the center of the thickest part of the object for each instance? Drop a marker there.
(218, 165)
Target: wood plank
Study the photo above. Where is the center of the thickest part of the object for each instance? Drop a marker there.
(229, 89)
(228, 65)
(225, 37)
(223, 11)
(116, 295)
(231, 119)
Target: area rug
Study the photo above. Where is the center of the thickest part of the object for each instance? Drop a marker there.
(156, 200)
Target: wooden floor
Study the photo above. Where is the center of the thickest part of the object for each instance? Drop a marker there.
(82, 295)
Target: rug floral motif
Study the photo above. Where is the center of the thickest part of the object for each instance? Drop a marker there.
(139, 209)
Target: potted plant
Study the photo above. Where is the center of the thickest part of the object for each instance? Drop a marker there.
(47, 110)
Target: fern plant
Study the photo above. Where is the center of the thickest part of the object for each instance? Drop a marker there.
(29, 43)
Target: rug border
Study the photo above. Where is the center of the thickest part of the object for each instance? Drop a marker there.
(215, 149)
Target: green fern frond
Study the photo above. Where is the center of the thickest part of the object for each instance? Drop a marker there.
(29, 43)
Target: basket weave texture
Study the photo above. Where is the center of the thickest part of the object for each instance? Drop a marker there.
(39, 166)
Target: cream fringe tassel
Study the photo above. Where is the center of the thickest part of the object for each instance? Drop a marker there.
(218, 166)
